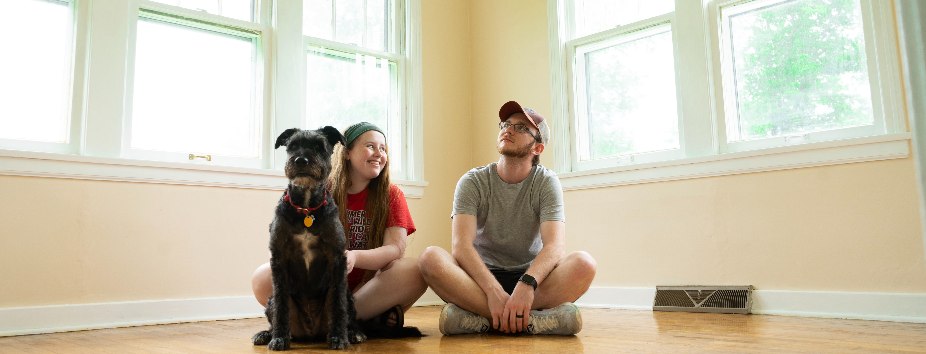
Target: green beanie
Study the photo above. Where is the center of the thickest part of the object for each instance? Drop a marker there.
(357, 130)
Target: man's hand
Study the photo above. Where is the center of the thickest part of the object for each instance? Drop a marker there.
(497, 300)
(517, 311)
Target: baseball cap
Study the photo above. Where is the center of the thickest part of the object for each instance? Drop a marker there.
(537, 120)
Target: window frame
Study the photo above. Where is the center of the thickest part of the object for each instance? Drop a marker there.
(600, 40)
(701, 107)
(883, 114)
(195, 20)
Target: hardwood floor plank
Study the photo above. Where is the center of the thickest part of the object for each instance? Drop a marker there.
(604, 331)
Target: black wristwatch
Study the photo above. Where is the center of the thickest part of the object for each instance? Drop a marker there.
(529, 280)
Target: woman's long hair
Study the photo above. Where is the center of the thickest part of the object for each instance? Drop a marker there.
(377, 207)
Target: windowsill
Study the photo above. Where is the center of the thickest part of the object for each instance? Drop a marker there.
(38, 164)
(885, 147)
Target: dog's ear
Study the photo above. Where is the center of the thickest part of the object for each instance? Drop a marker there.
(281, 140)
(333, 135)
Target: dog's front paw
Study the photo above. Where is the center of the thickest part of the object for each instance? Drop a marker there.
(337, 342)
(278, 344)
(261, 338)
(355, 335)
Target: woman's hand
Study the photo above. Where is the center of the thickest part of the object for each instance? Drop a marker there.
(375, 259)
(351, 259)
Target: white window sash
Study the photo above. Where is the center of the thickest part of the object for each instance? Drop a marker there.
(195, 20)
(882, 73)
(583, 46)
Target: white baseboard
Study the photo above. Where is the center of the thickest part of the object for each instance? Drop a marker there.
(64, 318)
(618, 298)
(898, 307)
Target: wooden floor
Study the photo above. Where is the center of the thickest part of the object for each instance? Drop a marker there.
(605, 331)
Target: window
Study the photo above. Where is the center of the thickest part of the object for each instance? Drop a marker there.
(179, 91)
(795, 69)
(35, 89)
(625, 91)
(624, 83)
(196, 85)
(657, 90)
(355, 60)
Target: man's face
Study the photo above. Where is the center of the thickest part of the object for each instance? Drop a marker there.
(514, 143)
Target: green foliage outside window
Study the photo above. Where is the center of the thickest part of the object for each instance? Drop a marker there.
(803, 68)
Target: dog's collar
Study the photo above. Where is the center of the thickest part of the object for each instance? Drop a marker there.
(309, 218)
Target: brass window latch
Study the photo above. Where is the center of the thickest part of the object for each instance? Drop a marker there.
(206, 157)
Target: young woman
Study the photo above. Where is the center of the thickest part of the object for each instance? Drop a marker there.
(376, 222)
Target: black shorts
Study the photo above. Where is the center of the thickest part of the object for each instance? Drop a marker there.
(507, 278)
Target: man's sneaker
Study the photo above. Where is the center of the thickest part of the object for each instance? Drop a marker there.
(564, 319)
(455, 320)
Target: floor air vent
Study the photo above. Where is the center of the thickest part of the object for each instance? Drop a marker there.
(718, 299)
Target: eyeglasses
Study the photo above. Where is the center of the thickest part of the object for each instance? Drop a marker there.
(518, 127)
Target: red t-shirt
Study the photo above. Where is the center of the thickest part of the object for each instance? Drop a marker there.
(358, 225)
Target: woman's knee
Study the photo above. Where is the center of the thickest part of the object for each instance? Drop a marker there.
(406, 268)
(413, 273)
(402, 271)
(262, 283)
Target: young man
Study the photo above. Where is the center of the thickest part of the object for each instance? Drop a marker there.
(507, 270)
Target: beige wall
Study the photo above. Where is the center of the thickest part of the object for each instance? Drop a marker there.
(842, 228)
(511, 61)
(75, 241)
(850, 227)
(447, 109)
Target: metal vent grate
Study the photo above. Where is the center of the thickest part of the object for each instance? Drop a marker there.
(719, 299)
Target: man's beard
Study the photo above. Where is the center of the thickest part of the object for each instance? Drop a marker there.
(516, 152)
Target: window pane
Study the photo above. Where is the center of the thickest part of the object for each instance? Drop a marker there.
(35, 71)
(598, 15)
(349, 21)
(376, 26)
(799, 67)
(630, 98)
(364, 23)
(238, 9)
(316, 15)
(194, 92)
(343, 89)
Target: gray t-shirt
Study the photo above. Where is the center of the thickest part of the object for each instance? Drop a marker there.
(508, 216)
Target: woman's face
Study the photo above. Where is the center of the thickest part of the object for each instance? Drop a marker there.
(368, 155)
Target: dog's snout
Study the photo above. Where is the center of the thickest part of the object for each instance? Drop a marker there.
(301, 161)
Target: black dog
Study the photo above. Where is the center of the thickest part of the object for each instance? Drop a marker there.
(310, 297)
